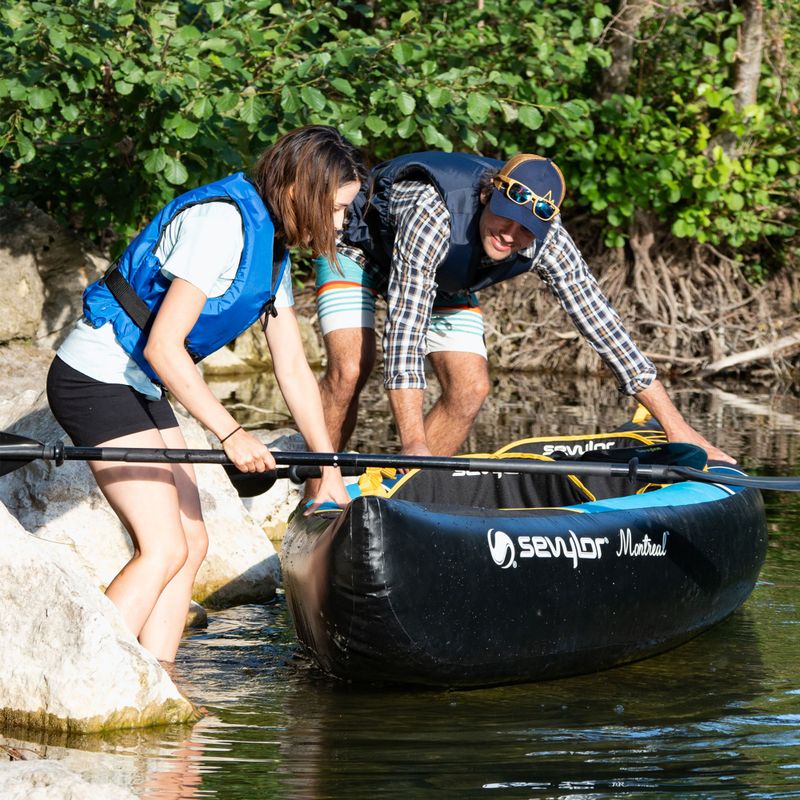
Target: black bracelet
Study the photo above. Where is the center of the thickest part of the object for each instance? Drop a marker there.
(230, 434)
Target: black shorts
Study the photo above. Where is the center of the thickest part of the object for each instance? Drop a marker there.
(92, 412)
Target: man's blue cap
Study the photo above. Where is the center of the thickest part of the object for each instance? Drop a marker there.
(540, 175)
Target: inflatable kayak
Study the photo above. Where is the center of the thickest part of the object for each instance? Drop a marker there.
(456, 578)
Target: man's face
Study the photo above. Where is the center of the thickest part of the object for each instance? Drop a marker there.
(502, 237)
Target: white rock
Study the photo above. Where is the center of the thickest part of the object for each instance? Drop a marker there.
(69, 661)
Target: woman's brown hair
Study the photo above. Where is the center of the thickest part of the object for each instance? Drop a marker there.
(298, 178)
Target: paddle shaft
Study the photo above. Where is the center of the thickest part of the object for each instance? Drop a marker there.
(59, 453)
(20, 450)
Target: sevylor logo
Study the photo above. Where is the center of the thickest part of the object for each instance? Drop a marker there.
(577, 449)
(502, 548)
(573, 547)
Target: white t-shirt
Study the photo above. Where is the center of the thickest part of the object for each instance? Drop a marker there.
(202, 245)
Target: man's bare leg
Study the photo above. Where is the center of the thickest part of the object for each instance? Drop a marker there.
(351, 357)
(464, 380)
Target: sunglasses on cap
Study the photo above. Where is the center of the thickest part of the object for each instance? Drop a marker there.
(542, 208)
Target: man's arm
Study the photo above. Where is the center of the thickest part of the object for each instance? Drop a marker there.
(656, 400)
(563, 269)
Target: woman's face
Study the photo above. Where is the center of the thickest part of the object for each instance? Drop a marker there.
(344, 196)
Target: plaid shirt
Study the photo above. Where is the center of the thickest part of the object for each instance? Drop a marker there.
(422, 225)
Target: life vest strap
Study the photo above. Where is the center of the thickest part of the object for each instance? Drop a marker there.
(126, 296)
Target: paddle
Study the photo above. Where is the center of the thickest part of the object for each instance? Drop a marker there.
(16, 451)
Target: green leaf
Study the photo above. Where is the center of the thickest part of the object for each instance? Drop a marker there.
(215, 10)
(407, 128)
(313, 98)
(41, 99)
(57, 37)
(186, 129)
(343, 86)
(406, 103)
(531, 117)
(735, 202)
(375, 124)
(402, 52)
(478, 106)
(439, 97)
(202, 108)
(290, 100)
(437, 140)
(217, 45)
(16, 16)
(408, 16)
(175, 172)
(123, 87)
(227, 101)
(154, 161)
(252, 111)
(25, 148)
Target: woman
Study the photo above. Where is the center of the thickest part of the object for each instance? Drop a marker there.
(208, 265)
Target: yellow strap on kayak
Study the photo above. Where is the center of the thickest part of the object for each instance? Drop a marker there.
(371, 482)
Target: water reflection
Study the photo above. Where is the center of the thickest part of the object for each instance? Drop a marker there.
(703, 718)
(156, 763)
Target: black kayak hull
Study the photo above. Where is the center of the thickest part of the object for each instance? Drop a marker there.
(393, 591)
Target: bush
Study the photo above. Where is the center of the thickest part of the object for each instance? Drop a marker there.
(107, 109)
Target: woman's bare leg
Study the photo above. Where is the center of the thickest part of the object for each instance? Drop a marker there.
(162, 632)
(150, 500)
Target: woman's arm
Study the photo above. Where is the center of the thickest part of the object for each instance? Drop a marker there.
(167, 355)
(301, 392)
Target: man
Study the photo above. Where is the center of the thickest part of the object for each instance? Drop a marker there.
(433, 229)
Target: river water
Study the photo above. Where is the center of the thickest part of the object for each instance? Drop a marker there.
(718, 717)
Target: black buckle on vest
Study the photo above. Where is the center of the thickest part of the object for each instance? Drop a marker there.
(268, 311)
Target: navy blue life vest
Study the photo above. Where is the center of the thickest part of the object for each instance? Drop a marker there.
(222, 318)
(457, 179)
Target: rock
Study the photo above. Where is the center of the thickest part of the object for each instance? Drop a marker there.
(21, 287)
(43, 272)
(50, 780)
(271, 510)
(197, 617)
(69, 661)
(225, 362)
(249, 351)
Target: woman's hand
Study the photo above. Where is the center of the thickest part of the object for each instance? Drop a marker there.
(329, 489)
(247, 453)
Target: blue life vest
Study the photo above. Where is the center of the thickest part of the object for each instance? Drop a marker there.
(457, 179)
(222, 318)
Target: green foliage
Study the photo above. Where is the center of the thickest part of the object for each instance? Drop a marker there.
(109, 107)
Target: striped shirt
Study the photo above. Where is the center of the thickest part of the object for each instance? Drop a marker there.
(422, 224)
